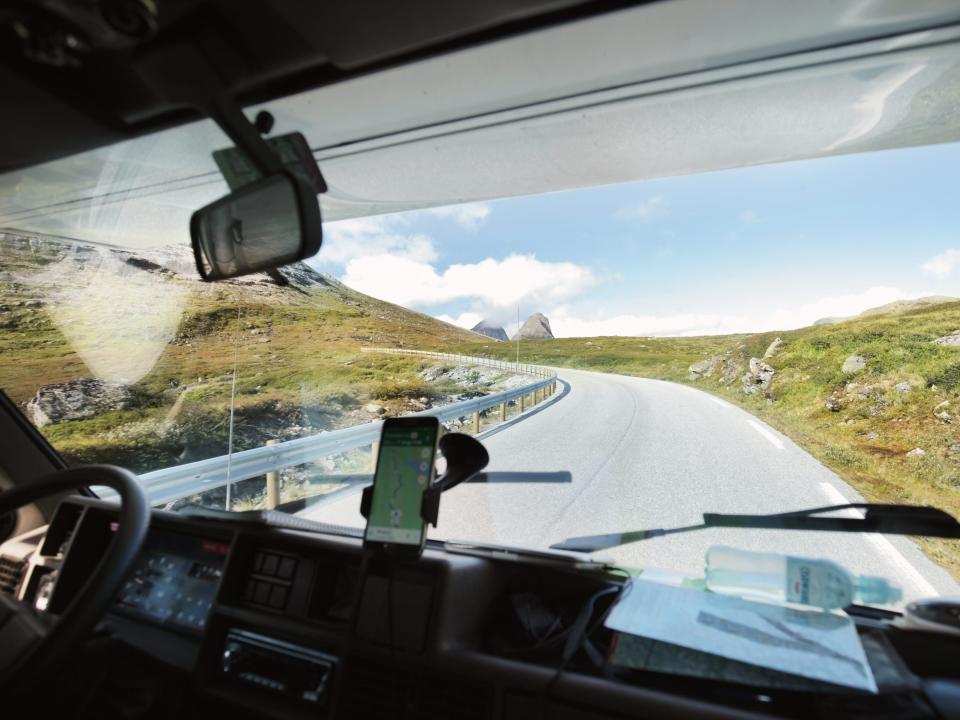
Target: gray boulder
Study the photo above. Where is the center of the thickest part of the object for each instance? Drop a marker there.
(536, 327)
(902, 387)
(78, 400)
(773, 349)
(759, 376)
(953, 339)
(491, 331)
(704, 368)
(854, 363)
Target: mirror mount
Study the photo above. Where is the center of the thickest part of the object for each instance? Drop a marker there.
(272, 216)
(246, 135)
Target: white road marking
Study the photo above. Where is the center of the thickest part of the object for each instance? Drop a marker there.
(886, 549)
(769, 436)
(718, 401)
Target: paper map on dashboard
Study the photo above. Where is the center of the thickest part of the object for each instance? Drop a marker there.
(819, 645)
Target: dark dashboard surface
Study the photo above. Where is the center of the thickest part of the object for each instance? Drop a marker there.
(261, 622)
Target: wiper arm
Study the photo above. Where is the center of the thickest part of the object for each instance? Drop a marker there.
(878, 518)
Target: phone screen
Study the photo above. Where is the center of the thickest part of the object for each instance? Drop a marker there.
(404, 470)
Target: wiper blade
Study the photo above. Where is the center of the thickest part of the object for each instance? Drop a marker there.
(877, 518)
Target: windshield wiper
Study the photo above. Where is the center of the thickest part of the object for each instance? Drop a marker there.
(878, 518)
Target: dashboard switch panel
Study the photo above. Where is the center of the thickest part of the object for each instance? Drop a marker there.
(278, 667)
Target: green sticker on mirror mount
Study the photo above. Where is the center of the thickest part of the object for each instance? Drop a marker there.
(292, 150)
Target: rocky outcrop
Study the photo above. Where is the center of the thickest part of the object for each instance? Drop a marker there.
(758, 377)
(491, 331)
(704, 368)
(537, 327)
(727, 367)
(78, 400)
(952, 339)
(854, 363)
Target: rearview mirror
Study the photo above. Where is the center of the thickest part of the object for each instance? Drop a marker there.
(261, 226)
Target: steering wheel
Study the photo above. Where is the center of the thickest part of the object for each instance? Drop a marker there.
(29, 648)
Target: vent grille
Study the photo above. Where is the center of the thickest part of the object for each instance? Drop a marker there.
(11, 573)
(377, 689)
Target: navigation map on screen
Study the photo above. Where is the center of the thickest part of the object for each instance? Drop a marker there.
(404, 469)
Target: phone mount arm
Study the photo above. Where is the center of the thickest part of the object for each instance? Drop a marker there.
(465, 458)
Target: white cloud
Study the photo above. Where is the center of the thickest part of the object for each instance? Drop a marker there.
(469, 216)
(748, 217)
(943, 264)
(565, 325)
(466, 320)
(646, 210)
(492, 284)
(346, 240)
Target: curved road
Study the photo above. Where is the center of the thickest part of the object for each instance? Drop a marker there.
(645, 454)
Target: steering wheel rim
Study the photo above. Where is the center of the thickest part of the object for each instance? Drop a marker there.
(93, 599)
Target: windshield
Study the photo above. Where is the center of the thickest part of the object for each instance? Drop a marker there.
(753, 340)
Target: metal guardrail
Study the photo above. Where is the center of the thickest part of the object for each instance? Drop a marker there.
(538, 370)
(179, 481)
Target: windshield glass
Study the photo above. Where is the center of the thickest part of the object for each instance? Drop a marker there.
(754, 340)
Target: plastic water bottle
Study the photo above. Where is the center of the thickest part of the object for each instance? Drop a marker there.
(807, 581)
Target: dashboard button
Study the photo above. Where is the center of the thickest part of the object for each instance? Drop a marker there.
(286, 568)
(278, 597)
(270, 563)
(261, 592)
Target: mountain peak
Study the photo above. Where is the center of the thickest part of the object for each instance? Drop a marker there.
(490, 330)
(536, 327)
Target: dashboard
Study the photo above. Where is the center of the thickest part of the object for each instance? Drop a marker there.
(175, 580)
(262, 622)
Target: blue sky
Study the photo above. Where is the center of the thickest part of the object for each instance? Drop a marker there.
(768, 247)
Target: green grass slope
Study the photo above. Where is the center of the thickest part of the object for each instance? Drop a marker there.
(70, 311)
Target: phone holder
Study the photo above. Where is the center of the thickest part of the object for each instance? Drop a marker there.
(465, 457)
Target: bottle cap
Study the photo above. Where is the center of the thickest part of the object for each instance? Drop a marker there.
(869, 589)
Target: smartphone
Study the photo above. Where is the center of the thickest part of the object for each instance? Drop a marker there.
(405, 469)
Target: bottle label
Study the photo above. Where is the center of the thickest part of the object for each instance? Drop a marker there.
(816, 583)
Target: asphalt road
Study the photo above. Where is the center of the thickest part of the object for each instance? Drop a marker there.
(648, 454)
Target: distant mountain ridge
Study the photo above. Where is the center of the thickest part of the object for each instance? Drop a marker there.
(897, 306)
(489, 330)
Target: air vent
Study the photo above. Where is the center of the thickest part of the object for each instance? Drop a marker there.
(11, 572)
(377, 689)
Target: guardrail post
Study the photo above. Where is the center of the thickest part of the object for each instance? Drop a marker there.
(374, 452)
(503, 412)
(273, 485)
(476, 423)
(521, 400)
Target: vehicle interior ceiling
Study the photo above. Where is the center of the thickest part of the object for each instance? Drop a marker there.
(305, 623)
